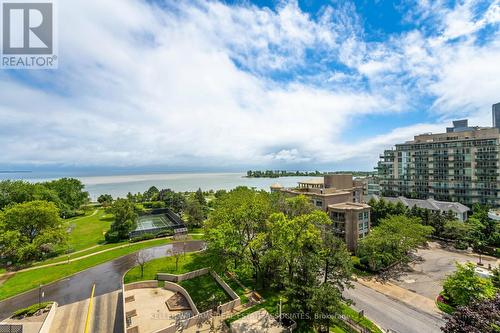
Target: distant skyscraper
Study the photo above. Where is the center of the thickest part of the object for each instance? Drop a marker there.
(496, 115)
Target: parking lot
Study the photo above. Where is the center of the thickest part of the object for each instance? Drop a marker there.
(427, 276)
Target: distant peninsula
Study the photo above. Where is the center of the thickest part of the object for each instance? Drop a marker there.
(284, 173)
(15, 171)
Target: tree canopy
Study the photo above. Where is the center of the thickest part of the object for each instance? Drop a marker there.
(284, 243)
(392, 241)
(125, 220)
(30, 230)
(464, 286)
(67, 194)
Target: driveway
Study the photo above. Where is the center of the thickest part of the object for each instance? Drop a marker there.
(427, 276)
(72, 293)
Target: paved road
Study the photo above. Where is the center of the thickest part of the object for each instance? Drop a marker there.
(72, 293)
(391, 314)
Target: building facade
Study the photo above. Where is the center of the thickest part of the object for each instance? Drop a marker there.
(460, 165)
(341, 198)
(351, 220)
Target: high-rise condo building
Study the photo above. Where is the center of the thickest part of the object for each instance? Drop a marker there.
(459, 165)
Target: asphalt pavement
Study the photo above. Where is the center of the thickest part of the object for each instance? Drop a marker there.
(73, 292)
(391, 314)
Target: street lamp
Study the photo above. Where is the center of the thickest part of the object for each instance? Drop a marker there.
(41, 294)
(279, 311)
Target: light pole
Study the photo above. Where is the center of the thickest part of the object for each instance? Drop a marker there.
(279, 311)
(39, 295)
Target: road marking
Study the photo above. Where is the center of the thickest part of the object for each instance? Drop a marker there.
(87, 323)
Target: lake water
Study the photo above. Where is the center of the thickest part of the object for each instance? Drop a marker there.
(120, 185)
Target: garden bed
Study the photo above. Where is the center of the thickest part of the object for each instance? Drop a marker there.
(205, 292)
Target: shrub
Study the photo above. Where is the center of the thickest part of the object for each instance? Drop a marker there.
(443, 306)
(112, 237)
(142, 238)
(356, 262)
(30, 310)
(154, 204)
(461, 245)
(464, 286)
(165, 233)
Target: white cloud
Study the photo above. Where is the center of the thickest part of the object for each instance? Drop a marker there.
(190, 84)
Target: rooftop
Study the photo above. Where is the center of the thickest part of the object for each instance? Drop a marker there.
(430, 204)
(349, 206)
(320, 192)
(313, 181)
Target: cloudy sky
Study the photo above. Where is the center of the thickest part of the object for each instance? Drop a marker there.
(189, 85)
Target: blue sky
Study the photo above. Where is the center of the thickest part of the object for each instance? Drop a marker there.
(231, 85)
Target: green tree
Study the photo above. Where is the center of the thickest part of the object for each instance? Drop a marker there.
(125, 220)
(495, 279)
(296, 206)
(382, 209)
(195, 212)
(464, 285)
(173, 200)
(325, 304)
(232, 229)
(105, 200)
(456, 230)
(392, 241)
(70, 191)
(30, 230)
(200, 197)
(337, 263)
(151, 194)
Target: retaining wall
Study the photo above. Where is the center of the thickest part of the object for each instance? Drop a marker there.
(171, 284)
(224, 285)
(141, 284)
(181, 277)
(49, 319)
(177, 288)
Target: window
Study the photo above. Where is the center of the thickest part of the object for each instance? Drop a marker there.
(319, 203)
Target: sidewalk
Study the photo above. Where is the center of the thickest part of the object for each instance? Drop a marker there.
(3, 276)
(400, 294)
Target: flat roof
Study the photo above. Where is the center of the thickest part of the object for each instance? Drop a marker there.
(349, 206)
(337, 192)
(313, 181)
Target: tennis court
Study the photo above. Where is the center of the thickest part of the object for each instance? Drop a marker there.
(148, 222)
(159, 220)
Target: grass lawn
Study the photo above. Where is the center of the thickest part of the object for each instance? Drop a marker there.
(187, 262)
(363, 321)
(24, 281)
(85, 232)
(271, 304)
(196, 231)
(205, 292)
(236, 288)
(89, 230)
